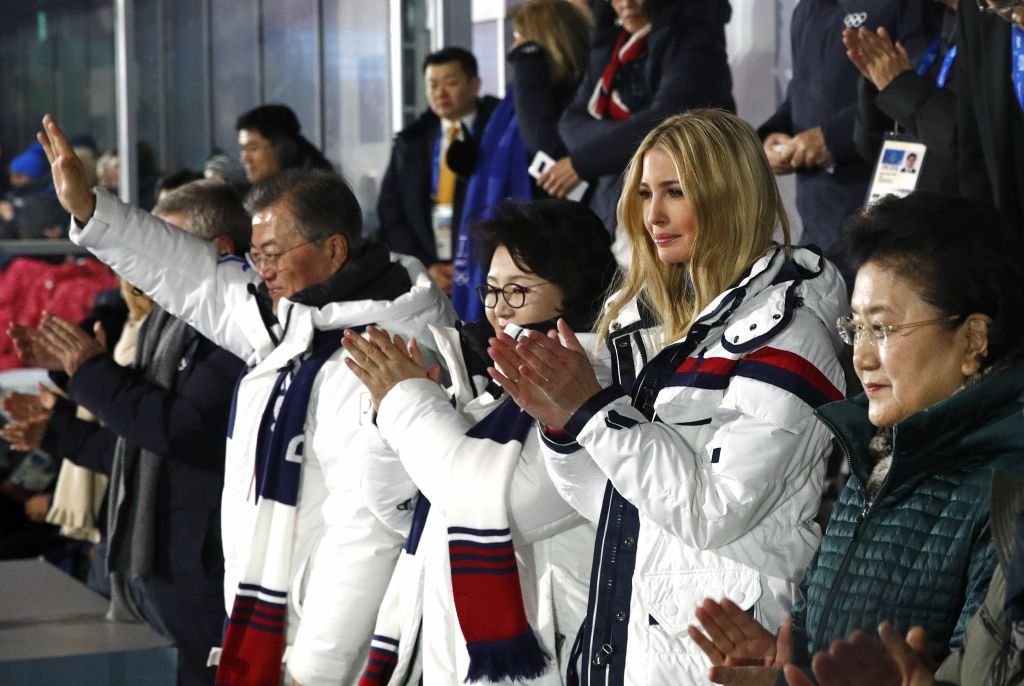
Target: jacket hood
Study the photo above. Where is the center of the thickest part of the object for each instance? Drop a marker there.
(980, 421)
(805, 280)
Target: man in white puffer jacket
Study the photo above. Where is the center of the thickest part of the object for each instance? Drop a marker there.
(309, 274)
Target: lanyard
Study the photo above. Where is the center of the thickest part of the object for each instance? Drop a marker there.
(924, 64)
(1017, 67)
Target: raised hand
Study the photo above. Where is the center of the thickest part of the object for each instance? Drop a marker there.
(69, 343)
(68, 172)
(381, 363)
(875, 55)
(507, 372)
(562, 372)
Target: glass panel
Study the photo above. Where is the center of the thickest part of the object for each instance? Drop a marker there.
(356, 100)
(187, 130)
(290, 36)
(235, 66)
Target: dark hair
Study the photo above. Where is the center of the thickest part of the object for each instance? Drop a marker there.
(272, 121)
(212, 209)
(913, 154)
(323, 204)
(560, 241)
(452, 54)
(168, 182)
(963, 255)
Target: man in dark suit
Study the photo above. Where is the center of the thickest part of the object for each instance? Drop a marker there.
(991, 118)
(420, 202)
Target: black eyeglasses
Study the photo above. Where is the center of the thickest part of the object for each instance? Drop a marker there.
(513, 293)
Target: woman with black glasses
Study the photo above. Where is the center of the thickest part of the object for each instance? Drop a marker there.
(495, 574)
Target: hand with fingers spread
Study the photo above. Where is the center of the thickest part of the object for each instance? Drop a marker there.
(382, 362)
(562, 372)
(862, 661)
(25, 407)
(69, 178)
(69, 343)
(31, 351)
(740, 649)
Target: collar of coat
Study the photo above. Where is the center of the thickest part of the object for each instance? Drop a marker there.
(370, 276)
(982, 421)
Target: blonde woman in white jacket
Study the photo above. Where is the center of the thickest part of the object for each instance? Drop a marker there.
(496, 572)
(705, 477)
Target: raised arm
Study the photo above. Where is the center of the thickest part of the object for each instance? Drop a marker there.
(182, 273)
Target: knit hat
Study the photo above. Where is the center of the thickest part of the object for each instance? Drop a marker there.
(31, 163)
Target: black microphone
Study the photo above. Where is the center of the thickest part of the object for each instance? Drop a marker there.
(463, 153)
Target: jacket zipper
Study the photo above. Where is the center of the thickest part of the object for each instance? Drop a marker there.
(847, 557)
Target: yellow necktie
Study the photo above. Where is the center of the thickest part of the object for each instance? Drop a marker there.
(446, 179)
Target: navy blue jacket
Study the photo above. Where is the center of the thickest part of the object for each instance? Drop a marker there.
(823, 92)
(686, 67)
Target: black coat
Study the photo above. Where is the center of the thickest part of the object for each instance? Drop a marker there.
(686, 67)
(539, 100)
(405, 204)
(187, 425)
(922, 110)
(991, 122)
(823, 92)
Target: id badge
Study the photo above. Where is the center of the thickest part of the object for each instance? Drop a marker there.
(898, 167)
(442, 220)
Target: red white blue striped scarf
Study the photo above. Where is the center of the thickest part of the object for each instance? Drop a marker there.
(255, 637)
(605, 100)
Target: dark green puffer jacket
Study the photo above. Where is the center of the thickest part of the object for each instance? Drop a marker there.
(921, 553)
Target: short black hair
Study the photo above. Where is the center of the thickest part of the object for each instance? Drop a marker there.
(964, 257)
(213, 208)
(168, 182)
(560, 241)
(322, 202)
(273, 122)
(913, 154)
(464, 57)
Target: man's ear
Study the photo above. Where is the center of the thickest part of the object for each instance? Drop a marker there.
(337, 250)
(977, 329)
(225, 245)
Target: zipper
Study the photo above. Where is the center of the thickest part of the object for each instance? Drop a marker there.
(861, 519)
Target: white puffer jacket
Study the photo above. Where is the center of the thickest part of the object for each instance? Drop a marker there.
(717, 496)
(342, 555)
(554, 545)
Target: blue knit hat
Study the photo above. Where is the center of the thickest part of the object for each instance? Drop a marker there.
(32, 162)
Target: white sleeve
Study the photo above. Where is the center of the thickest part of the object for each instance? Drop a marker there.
(763, 442)
(181, 272)
(356, 555)
(418, 420)
(387, 488)
(576, 476)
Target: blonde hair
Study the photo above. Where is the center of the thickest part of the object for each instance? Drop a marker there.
(725, 175)
(559, 28)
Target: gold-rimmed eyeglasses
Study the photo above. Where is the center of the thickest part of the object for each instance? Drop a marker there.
(259, 260)
(878, 334)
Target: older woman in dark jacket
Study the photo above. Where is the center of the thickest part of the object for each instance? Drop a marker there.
(649, 59)
(938, 346)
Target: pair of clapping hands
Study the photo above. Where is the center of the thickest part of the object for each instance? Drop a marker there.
(743, 653)
(57, 345)
(549, 376)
